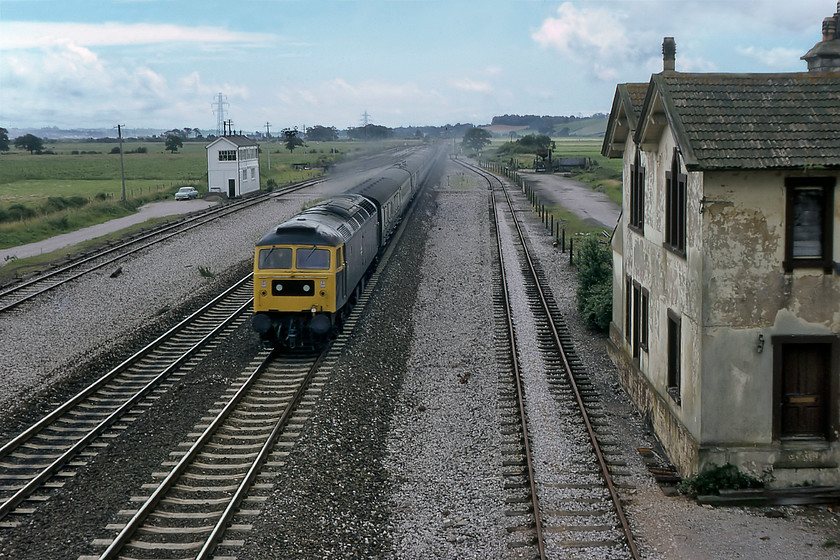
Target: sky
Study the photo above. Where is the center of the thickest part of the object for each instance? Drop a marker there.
(298, 63)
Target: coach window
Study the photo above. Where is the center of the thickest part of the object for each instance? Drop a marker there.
(276, 257)
(809, 217)
(312, 259)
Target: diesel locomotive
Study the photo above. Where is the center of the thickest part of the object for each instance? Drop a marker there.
(309, 270)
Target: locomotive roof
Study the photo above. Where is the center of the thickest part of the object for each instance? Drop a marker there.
(330, 222)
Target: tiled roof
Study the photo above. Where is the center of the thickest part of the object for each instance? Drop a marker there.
(749, 121)
(636, 95)
(624, 116)
(236, 139)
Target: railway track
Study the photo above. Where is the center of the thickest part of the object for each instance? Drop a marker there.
(558, 507)
(16, 294)
(32, 463)
(201, 508)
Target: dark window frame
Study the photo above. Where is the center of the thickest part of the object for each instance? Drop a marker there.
(675, 207)
(628, 307)
(637, 194)
(827, 185)
(637, 319)
(644, 337)
(674, 381)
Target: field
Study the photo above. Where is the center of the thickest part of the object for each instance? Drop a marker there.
(76, 184)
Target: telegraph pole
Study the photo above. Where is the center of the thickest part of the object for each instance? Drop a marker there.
(267, 140)
(122, 166)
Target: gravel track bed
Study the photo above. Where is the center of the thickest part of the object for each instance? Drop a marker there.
(411, 467)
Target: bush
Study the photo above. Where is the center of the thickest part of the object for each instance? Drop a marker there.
(594, 293)
(18, 212)
(713, 479)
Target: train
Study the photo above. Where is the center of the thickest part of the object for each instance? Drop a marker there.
(311, 269)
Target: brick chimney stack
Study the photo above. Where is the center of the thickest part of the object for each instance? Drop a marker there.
(825, 56)
(669, 55)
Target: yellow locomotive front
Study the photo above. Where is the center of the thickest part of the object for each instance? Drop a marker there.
(295, 290)
(307, 268)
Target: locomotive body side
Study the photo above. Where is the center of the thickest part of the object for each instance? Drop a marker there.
(307, 269)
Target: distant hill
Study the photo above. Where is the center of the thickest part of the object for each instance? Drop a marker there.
(522, 125)
(501, 126)
(55, 133)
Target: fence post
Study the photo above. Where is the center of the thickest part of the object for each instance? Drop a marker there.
(571, 251)
(563, 240)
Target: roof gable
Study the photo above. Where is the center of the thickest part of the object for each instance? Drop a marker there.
(627, 105)
(236, 141)
(745, 121)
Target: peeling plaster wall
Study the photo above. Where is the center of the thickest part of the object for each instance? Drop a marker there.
(729, 288)
(747, 293)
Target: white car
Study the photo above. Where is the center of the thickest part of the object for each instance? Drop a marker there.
(186, 193)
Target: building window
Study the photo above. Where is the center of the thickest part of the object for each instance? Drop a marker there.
(674, 355)
(675, 202)
(643, 336)
(809, 217)
(628, 308)
(637, 319)
(637, 194)
(227, 155)
(244, 174)
(636, 315)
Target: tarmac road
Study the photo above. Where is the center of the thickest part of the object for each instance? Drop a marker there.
(148, 211)
(593, 206)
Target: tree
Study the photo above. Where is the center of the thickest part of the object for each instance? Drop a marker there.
(476, 138)
(322, 134)
(173, 143)
(4, 140)
(29, 142)
(370, 132)
(292, 141)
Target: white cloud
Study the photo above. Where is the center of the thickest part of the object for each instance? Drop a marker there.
(18, 35)
(777, 57)
(467, 84)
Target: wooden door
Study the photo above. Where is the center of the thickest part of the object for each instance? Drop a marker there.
(804, 388)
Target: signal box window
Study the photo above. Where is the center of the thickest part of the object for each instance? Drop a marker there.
(313, 259)
(809, 215)
(276, 258)
(227, 155)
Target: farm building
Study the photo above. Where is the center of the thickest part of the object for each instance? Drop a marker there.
(233, 165)
(726, 291)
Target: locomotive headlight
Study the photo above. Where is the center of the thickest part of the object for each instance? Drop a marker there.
(306, 288)
(314, 310)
